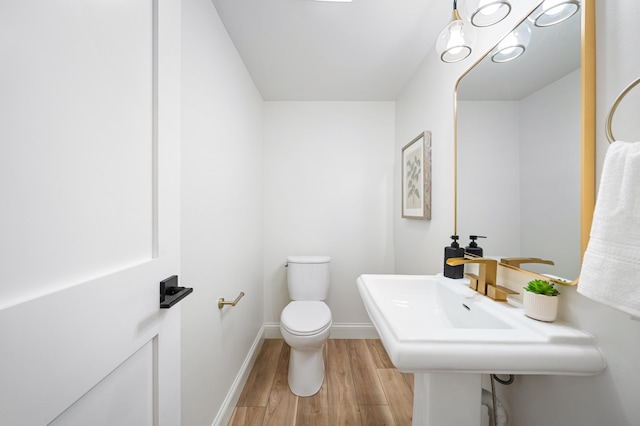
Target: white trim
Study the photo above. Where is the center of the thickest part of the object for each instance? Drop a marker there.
(226, 410)
(353, 331)
(272, 330)
(338, 331)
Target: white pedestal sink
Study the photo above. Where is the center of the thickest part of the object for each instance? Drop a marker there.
(448, 336)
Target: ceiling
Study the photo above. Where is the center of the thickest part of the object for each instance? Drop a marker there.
(366, 50)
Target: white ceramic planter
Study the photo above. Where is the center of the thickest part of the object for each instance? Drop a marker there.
(540, 307)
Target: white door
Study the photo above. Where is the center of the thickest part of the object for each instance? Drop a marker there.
(89, 217)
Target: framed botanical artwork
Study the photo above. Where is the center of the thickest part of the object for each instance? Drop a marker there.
(416, 178)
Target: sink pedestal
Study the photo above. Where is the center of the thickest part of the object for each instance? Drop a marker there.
(447, 399)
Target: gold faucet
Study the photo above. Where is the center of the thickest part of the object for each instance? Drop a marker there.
(517, 261)
(485, 281)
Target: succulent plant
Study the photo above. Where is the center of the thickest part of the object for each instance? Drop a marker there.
(542, 287)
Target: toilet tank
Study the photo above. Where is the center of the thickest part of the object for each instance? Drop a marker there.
(308, 277)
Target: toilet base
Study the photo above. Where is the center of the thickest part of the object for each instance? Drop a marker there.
(306, 371)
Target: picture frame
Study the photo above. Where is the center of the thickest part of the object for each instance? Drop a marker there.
(416, 178)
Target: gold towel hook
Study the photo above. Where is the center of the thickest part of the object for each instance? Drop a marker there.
(615, 106)
(222, 302)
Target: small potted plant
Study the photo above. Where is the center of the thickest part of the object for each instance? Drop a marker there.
(541, 300)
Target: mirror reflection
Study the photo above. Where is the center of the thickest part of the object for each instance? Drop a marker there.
(519, 150)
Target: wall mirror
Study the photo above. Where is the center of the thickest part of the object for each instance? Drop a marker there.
(525, 148)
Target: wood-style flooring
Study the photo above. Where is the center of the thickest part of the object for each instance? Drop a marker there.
(361, 387)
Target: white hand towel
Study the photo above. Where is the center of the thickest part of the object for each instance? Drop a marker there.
(611, 266)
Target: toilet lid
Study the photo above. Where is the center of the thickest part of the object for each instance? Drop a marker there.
(305, 317)
(308, 259)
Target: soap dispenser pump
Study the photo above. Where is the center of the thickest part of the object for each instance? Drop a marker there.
(473, 247)
(453, 251)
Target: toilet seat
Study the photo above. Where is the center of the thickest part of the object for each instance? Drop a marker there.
(305, 318)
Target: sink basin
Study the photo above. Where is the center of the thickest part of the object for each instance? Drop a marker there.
(448, 336)
(430, 323)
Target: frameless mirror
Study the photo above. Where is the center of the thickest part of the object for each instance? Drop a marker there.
(519, 151)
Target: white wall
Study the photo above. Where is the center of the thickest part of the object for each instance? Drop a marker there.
(610, 397)
(328, 170)
(424, 105)
(221, 211)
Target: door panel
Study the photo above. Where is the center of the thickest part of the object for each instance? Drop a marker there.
(124, 397)
(77, 144)
(89, 217)
(57, 347)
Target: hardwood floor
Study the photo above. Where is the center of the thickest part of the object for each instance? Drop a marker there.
(361, 387)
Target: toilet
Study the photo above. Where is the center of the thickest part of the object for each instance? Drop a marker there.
(305, 323)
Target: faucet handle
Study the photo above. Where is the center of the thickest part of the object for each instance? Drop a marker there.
(499, 293)
(473, 281)
(455, 261)
(517, 261)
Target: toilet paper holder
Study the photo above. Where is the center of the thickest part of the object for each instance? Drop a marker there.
(222, 302)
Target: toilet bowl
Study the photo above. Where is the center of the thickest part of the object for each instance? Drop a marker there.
(305, 326)
(305, 323)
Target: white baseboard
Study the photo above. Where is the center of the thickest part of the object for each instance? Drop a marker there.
(353, 331)
(272, 331)
(338, 331)
(226, 411)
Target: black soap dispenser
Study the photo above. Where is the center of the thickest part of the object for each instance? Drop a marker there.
(473, 247)
(453, 251)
